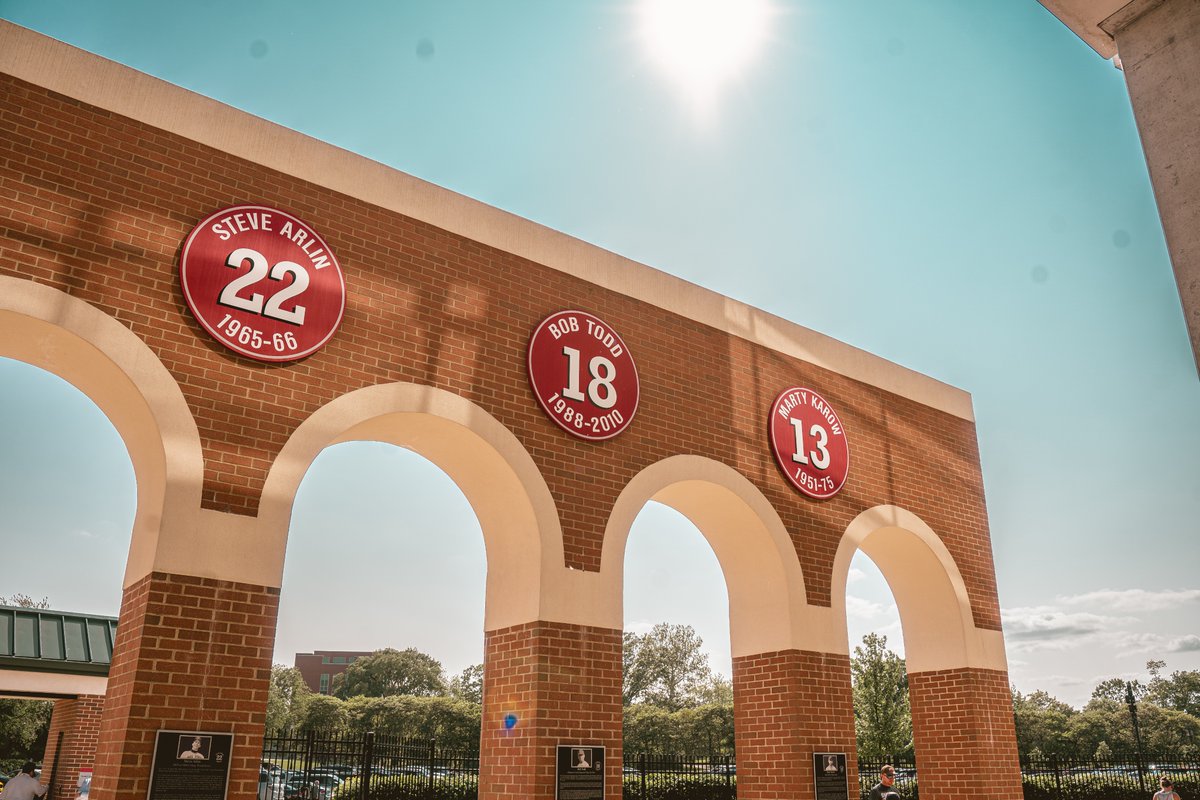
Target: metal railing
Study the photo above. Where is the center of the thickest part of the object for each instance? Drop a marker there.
(1120, 776)
(312, 766)
(367, 766)
(649, 777)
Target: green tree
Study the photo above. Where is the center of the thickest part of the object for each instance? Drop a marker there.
(468, 684)
(325, 714)
(665, 667)
(649, 729)
(699, 731)
(1114, 689)
(1042, 721)
(448, 720)
(388, 672)
(707, 729)
(1101, 720)
(716, 691)
(882, 717)
(287, 699)
(24, 725)
(1180, 692)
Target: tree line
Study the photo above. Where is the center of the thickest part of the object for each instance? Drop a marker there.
(675, 703)
(1168, 710)
(399, 692)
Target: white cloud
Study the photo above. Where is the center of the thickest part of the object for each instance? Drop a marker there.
(1184, 644)
(1132, 599)
(1049, 628)
(85, 534)
(862, 609)
(855, 575)
(1131, 642)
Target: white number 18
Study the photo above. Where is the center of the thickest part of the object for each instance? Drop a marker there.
(600, 389)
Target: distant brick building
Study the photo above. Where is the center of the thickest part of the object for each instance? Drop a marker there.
(319, 667)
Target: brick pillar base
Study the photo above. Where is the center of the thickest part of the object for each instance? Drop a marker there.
(545, 684)
(786, 706)
(78, 720)
(964, 734)
(191, 654)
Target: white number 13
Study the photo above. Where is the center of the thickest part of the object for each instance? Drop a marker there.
(820, 456)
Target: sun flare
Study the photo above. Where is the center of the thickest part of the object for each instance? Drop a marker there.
(702, 45)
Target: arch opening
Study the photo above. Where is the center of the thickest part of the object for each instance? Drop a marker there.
(384, 553)
(677, 677)
(931, 596)
(463, 459)
(68, 490)
(118, 372)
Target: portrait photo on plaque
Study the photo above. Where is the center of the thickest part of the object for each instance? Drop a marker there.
(194, 748)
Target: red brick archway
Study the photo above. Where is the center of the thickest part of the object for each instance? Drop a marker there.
(104, 173)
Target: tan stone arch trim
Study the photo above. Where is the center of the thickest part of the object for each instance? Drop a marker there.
(935, 609)
(24, 684)
(768, 609)
(521, 531)
(75, 73)
(121, 375)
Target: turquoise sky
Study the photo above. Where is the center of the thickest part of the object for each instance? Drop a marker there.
(955, 186)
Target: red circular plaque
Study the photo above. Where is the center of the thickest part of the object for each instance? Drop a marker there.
(809, 442)
(263, 283)
(583, 375)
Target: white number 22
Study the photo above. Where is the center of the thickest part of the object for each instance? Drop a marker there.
(259, 269)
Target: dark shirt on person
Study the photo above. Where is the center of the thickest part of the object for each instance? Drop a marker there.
(881, 792)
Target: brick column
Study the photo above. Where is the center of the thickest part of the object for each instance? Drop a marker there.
(554, 683)
(78, 720)
(964, 734)
(191, 654)
(788, 705)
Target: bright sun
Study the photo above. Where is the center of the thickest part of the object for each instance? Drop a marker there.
(703, 44)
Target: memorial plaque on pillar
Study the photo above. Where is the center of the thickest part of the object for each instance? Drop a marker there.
(579, 774)
(831, 780)
(190, 765)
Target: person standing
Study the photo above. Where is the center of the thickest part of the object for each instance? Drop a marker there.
(884, 790)
(23, 786)
(1167, 792)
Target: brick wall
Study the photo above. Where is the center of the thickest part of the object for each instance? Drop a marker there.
(191, 654)
(788, 705)
(78, 721)
(560, 684)
(97, 205)
(964, 734)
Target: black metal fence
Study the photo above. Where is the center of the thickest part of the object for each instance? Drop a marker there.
(376, 767)
(662, 777)
(366, 766)
(1120, 776)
